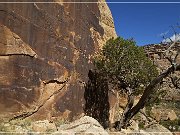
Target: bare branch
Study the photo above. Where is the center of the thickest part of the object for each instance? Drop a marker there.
(148, 90)
(176, 55)
(175, 32)
(170, 47)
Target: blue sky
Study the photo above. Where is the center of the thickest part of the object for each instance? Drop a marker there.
(144, 22)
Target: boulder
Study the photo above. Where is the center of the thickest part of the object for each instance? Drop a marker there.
(163, 114)
(156, 113)
(43, 126)
(157, 129)
(84, 125)
(172, 115)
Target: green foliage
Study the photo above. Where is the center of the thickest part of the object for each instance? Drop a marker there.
(125, 64)
(156, 97)
(15, 126)
(173, 126)
(141, 125)
(61, 121)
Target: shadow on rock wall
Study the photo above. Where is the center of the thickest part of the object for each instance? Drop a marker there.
(96, 97)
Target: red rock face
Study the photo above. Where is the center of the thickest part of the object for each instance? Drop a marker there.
(45, 56)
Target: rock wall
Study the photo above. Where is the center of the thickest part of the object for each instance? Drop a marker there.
(45, 55)
(156, 53)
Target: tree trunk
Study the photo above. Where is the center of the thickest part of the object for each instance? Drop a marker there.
(144, 98)
(122, 123)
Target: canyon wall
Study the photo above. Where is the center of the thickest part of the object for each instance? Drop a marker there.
(45, 54)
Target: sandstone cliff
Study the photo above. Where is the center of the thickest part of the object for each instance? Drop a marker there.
(45, 55)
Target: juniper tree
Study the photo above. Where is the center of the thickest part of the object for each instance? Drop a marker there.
(126, 66)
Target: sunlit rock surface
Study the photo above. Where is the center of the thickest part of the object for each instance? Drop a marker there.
(45, 55)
